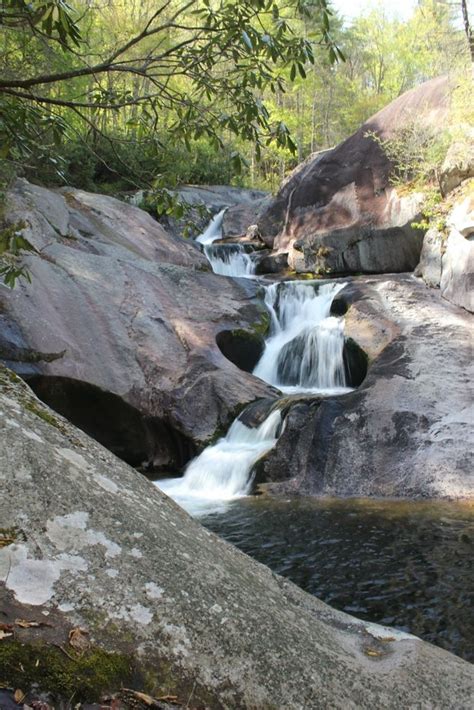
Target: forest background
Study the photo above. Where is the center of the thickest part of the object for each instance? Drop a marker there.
(203, 91)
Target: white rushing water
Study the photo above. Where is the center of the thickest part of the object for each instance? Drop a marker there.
(213, 230)
(222, 472)
(304, 352)
(225, 259)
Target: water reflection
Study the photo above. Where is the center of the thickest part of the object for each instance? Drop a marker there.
(407, 565)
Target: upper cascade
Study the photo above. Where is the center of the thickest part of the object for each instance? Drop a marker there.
(225, 259)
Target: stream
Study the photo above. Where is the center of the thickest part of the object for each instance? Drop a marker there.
(405, 564)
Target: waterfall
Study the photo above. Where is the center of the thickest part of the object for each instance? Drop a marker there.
(225, 259)
(223, 471)
(213, 230)
(229, 260)
(304, 352)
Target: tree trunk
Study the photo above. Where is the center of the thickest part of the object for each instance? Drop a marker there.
(468, 29)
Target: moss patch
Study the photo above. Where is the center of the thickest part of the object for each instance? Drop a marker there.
(85, 677)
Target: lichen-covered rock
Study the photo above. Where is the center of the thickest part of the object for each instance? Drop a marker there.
(429, 266)
(458, 164)
(457, 278)
(407, 430)
(117, 328)
(93, 549)
(447, 257)
(337, 212)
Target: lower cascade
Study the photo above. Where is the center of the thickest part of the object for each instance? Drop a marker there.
(304, 353)
(223, 471)
(225, 259)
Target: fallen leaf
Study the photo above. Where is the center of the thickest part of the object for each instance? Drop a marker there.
(78, 639)
(4, 634)
(24, 624)
(143, 700)
(372, 652)
(388, 638)
(18, 696)
(6, 627)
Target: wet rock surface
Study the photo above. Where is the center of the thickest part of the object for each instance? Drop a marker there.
(95, 546)
(121, 316)
(406, 431)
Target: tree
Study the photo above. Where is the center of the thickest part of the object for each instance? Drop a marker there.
(204, 64)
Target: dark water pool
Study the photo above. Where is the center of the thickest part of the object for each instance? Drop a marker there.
(408, 565)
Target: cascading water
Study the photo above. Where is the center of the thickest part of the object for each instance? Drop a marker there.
(222, 472)
(304, 352)
(230, 260)
(213, 230)
(225, 259)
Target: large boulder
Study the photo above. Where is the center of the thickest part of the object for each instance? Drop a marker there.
(429, 266)
(407, 430)
(106, 584)
(338, 213)
(117, 329)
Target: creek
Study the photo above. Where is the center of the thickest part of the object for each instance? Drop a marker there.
(403, 564)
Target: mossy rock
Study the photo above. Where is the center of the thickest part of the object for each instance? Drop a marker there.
(242, 347)
(85, 677)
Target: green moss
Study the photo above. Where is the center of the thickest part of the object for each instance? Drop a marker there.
(85, 677)
(262, 326)
(43, 414)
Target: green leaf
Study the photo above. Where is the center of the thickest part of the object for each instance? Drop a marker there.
(247, 40)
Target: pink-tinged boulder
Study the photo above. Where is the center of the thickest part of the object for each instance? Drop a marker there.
(117, 329)
(338, 213)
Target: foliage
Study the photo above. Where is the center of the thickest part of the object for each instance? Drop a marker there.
(416, 152)
(12, 244)
(142, 94)
(434, 211)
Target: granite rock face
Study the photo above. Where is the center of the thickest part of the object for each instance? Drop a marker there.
(96, 546)
(458, 164)
(447, 258)
(457, 265)
(407, 430)
(117, 329)
(337, 212)
(429, 266)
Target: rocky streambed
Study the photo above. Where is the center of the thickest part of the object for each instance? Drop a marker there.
(144, 359)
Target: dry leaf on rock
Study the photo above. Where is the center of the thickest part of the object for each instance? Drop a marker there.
(18, 696)
(78, 639)
(5, 634)
(24, 624)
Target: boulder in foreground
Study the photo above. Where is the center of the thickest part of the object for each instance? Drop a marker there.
(137, 593)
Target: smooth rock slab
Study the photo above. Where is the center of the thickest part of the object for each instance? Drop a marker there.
(407, 431)
(117, 329)
(98, 546)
